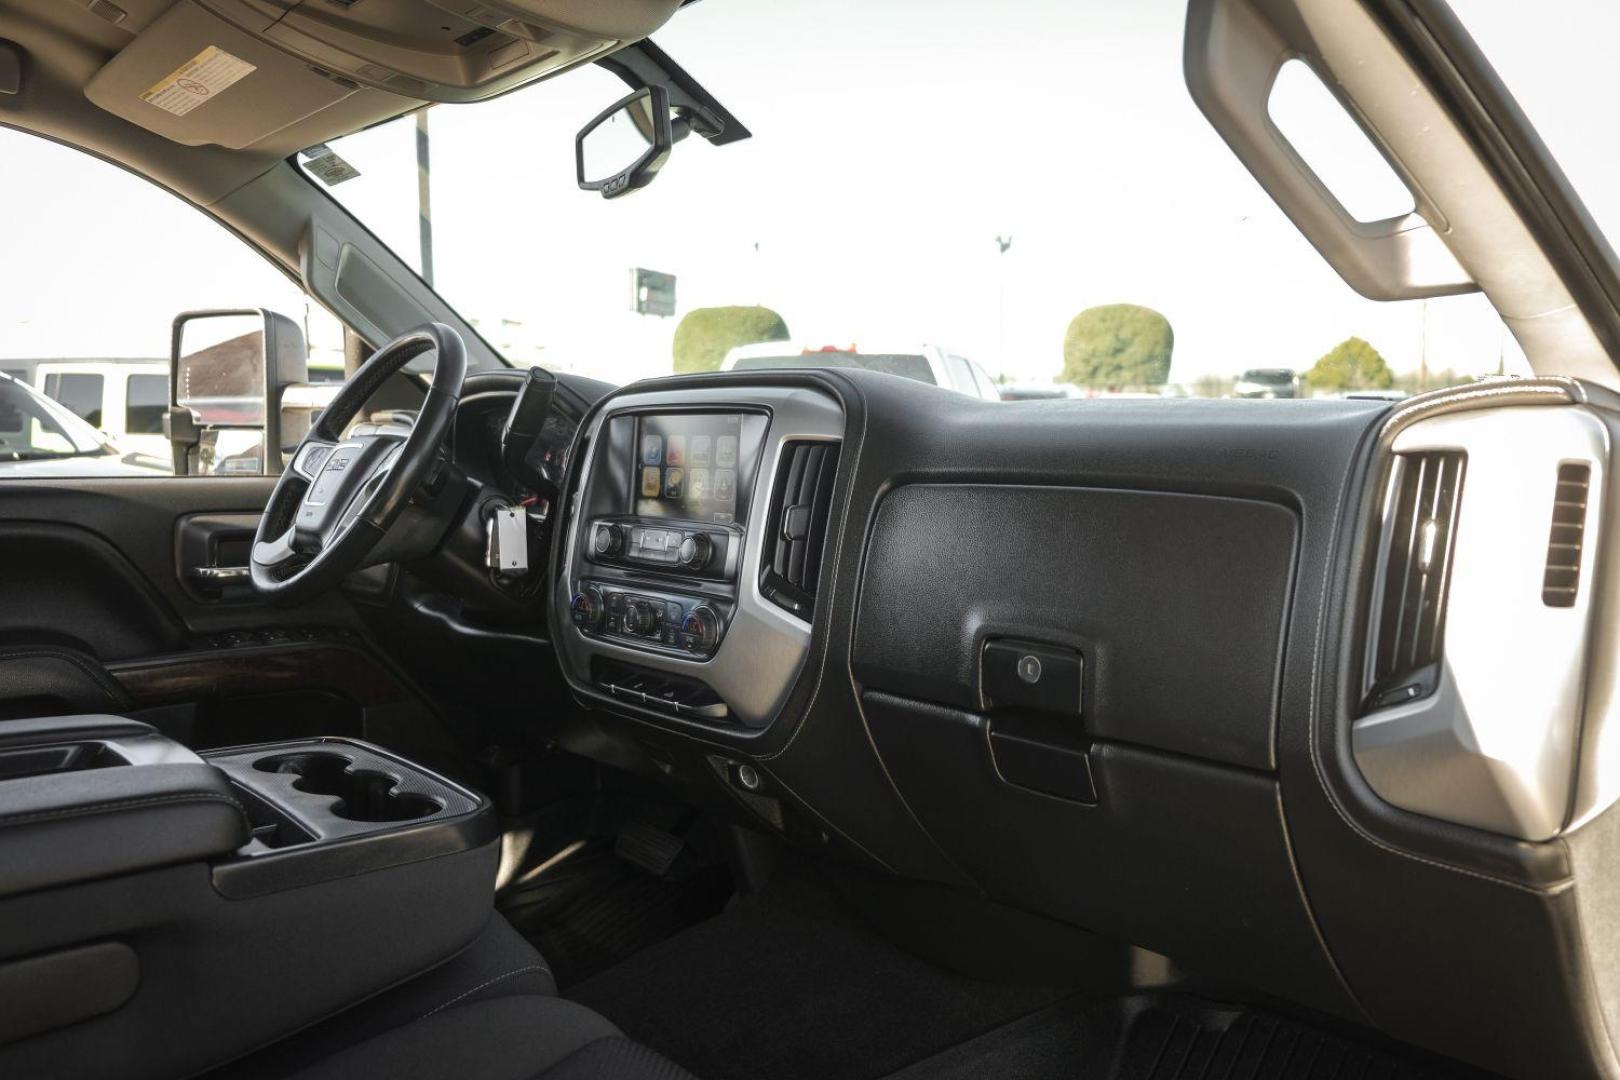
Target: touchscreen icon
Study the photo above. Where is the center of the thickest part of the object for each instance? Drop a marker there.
(725, 452)
(725, 485)
(652, 481)
(652, 449)
(673, 480)
(699, 451)
(675, 450)
(697, 483)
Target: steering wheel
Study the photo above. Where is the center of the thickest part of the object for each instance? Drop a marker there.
(337, 498)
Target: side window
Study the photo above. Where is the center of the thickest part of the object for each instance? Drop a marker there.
(99, 262)
(79, 393)
(145, 398)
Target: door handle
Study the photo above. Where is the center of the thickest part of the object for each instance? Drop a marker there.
(220, 575)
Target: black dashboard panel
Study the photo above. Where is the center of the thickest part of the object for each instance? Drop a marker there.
(1152, 862)
(1200, 562)
(1175, 602)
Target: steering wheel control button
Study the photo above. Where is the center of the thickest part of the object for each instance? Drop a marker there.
(1031, 676)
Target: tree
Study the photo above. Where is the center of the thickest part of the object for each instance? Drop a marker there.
(1117, 345)
(1352, 364)
(705, 335)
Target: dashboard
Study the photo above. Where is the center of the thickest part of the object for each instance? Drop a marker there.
(1310, 696)
(668, 572)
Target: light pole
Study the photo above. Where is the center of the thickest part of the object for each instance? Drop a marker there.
(424, 194)
(1002, 244)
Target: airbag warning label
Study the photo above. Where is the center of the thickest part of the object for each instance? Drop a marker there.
(205, 76)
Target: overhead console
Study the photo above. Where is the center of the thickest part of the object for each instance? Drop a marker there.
(691, 564)
(192, 73)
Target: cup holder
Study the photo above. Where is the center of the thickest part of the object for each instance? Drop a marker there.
(363, 794)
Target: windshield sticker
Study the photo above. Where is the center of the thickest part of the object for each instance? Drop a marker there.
(197, 81)
(322, 161)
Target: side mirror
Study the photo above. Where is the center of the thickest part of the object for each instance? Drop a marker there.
(623, 148)
(227, 373)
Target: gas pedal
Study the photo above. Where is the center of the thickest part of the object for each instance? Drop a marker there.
(649, 847)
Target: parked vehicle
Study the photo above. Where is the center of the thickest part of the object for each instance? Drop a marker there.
(124, 399)
(925, 363)
(40, 437)
(1267, 383)
(1039, 391)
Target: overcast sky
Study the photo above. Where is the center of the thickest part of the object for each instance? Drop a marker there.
(892, 144)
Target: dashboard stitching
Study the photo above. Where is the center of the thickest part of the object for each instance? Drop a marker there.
(1315, 716)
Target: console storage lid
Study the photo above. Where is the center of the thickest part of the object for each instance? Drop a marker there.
(85, 797)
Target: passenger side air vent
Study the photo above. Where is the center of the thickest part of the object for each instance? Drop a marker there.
(1563, 576)
(796, 528)
(1420, 522)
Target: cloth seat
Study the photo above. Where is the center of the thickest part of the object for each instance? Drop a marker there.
(488, 1013)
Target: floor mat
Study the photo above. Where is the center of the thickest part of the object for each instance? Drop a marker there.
(1056, 1043)
(1163, 1039)
(593, 910)
(1205, 1043)
(785, 985)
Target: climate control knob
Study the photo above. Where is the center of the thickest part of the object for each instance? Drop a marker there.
(696, 550)
(609, 540)
(639, 619)
(586, 608)
(700, 630)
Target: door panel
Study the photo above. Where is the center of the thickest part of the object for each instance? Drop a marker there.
(118, 592)
(100, 610)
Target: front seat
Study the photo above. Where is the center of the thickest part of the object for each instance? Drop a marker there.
(488, 1013)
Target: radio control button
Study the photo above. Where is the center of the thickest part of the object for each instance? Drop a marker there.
(695, 551)
(609, 540)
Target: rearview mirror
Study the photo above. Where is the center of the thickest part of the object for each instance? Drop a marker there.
(623, 148)
(227, 371)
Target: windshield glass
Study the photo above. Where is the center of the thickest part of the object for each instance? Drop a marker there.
(1030, 182)
(33, 427)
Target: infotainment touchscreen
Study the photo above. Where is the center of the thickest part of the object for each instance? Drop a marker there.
(690, 466)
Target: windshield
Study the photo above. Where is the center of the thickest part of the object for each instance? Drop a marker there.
(34, 428)
(1030, 182)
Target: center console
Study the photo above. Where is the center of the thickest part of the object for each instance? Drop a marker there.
(162, 912)
(664, 599)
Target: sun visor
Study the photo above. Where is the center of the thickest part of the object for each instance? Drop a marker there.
(197, 79)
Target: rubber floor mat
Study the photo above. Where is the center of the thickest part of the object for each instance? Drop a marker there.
(1215, 1044)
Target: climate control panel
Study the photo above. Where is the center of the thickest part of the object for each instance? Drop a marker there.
(688, 625)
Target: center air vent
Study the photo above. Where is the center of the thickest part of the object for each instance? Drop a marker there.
(796, 529)
(1409, 620)
(1563, 575)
